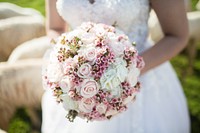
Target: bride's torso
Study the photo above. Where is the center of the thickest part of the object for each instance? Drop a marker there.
(130, 16)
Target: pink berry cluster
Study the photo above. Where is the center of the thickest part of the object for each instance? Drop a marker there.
(102, 63)
(130, 54)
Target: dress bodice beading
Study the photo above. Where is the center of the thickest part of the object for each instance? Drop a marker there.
(129, 16)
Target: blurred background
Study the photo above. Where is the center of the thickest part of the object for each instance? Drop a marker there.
(21, 27)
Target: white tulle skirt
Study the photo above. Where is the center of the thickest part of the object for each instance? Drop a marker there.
(160, 107)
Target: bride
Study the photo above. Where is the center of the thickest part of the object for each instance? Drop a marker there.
(161, 105)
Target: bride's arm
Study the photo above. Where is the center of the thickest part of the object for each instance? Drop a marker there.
(55, 25)
(173, 20)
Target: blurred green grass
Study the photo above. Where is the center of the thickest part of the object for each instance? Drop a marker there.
(20, 123)
(193, 4)
(191, 86)
(190, 83)
(36, 4)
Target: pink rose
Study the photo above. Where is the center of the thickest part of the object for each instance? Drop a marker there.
(89, 88)
(66, 84)
(101, 108)
(84, 71)
(91, 54)
(86, 105)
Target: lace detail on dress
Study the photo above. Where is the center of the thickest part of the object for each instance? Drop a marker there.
(129, 16)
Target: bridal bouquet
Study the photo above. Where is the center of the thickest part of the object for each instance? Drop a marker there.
(93, 71)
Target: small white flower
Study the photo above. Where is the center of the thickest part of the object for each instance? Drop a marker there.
(68, 103)
(117, 91)
(113, 77)
(121, 69)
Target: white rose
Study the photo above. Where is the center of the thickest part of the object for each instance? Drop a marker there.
(86, 105)
(87, 26)
(117, 48)
(84, 71)
(89, 88)
(133, 75)
(65, 84)
(53, 57)
(88, 38)
(54, 72)
(90, 54)
(98, 30)
(75, 33)
(68, 103)
(116, 45)
(101, 108)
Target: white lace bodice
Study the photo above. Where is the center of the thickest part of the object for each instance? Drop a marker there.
(130, 16)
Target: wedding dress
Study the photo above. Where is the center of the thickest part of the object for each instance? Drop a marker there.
(160, 106)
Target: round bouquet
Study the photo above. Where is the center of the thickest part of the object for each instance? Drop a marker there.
(93, 71)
